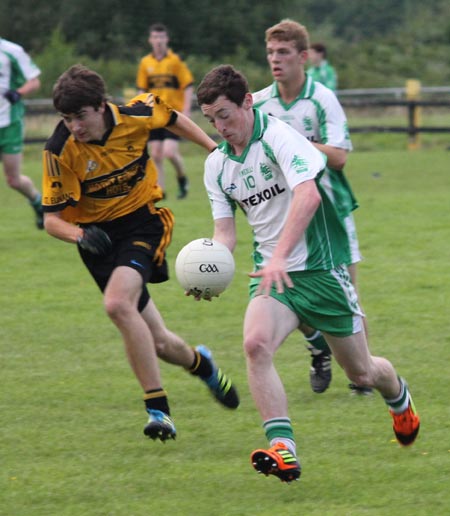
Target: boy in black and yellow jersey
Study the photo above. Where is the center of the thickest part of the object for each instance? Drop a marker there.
(166, 75)
(99, 190)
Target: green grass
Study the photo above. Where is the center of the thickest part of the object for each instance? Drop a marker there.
(72, 414)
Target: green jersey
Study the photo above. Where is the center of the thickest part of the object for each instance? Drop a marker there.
(325, 74)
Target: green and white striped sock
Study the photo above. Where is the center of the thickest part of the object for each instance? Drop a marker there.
(280, 430)
(401, 402)
(317, 343)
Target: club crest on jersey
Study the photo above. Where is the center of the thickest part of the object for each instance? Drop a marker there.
(300, 165)
(91, 165)
(266, 171)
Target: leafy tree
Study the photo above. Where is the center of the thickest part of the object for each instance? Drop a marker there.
(371, 43)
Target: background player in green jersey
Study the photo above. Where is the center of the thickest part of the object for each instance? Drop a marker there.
(271, 172)
(19, 77)
(321, 70)
(315, 112)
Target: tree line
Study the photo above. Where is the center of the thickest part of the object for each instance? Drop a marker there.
(372, 43)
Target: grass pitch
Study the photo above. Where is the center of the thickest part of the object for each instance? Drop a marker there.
(72, 415)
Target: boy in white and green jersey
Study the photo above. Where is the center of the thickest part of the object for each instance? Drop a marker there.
(315, 112)
(261, 182)
(19, 76)
(16, 69)
(317, 115)
(273, 174)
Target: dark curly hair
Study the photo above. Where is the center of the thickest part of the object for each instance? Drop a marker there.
(78, 87)
(222, 80)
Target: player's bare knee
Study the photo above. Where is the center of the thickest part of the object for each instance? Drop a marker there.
(116, 308)
(13, 182)
(161, 345)
(256, 348)
(169, 155)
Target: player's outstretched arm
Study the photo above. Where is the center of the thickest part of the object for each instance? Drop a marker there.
(186, 128)
(92, 238)
(59, 228)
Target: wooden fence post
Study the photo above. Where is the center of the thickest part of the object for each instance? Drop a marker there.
(413, 87)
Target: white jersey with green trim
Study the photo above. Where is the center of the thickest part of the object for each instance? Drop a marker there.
(16, 68)
(260, 181)
(316, 114)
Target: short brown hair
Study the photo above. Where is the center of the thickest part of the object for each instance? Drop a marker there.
(289, 30)
(158, 27)
(320, 48)
(78, 87)
(222, 80)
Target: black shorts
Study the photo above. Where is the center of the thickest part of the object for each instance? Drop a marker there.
(162, 134)
(139, 240)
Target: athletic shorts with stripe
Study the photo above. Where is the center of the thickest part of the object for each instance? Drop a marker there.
(139, 241)
(353, 244)
(325, 300)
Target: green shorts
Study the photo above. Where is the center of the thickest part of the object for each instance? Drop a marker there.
(324, 300)
(11, 138)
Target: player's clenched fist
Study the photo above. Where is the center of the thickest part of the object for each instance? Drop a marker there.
(12, 96)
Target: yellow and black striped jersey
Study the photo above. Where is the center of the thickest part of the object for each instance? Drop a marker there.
(100, 181)
(167, 78)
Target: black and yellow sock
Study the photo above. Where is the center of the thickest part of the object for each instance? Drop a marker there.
(156, 399)
(201, 366)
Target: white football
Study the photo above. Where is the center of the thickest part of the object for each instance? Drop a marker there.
(204, 267)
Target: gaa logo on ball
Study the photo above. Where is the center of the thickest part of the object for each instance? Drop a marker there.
(208, 267)
(204, 267)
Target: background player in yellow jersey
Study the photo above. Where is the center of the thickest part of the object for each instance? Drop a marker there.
(99, 189)
(165, 74)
